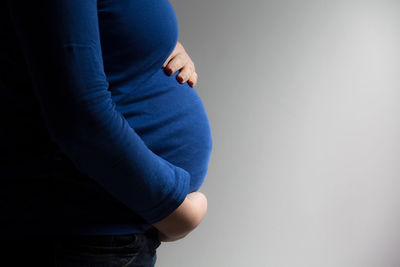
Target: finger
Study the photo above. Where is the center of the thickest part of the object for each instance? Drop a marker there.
(167, 60)
(176, 63)
(193, 79)
(172, 55)
(185, 73)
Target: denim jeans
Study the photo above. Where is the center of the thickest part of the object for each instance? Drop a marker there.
(83, 251)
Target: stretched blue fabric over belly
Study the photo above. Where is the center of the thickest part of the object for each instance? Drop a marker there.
(171, 119)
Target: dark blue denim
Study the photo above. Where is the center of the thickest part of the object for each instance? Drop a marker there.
(83, 251)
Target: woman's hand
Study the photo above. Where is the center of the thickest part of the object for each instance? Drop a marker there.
(180, 60)
(184, 219)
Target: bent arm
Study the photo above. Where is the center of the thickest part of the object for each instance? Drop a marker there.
(184, 219)
(61, 45)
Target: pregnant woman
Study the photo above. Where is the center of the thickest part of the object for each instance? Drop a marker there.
(102, 152)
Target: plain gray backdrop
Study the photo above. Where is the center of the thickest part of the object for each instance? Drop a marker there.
(303, 99)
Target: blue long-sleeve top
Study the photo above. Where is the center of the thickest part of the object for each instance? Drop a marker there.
(95, 137)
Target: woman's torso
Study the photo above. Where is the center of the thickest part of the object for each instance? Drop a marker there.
(137, 36)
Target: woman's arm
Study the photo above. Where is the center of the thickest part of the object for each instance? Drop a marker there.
(61, 45)
(184, 219)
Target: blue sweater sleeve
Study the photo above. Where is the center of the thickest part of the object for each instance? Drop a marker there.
(61, 45)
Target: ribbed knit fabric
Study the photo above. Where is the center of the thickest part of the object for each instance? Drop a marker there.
(95, 138)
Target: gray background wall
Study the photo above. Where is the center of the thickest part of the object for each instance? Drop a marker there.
(303, 99)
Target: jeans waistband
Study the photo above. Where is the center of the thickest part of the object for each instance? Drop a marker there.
(150, 237)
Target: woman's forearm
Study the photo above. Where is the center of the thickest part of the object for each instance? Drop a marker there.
(184, 219)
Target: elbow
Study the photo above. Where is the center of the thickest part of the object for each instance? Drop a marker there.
(185, 218)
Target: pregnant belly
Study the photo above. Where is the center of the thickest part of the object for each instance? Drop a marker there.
(171, 119)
